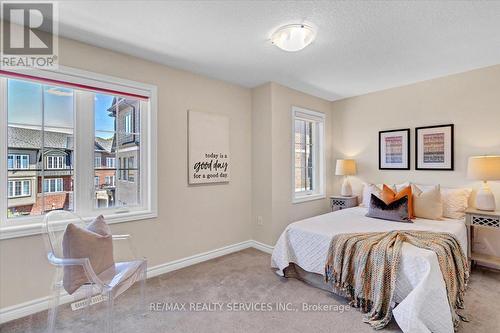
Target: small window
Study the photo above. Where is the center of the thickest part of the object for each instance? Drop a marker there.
(128, 123)
(308, 155)
(110, 162)
(96, 181)
(131, 169)
(97, 161)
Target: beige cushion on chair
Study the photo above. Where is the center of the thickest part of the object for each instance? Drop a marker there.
(95, 242)
(427, 203)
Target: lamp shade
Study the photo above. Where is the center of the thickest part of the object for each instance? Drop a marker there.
(484, 168)
(345, 167)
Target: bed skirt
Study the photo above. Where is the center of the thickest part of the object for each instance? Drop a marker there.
(313, 279)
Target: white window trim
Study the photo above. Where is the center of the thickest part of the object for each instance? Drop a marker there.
(31, 225)
(319, 181)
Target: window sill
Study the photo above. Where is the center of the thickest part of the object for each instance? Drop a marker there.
(35, 228)
(306, 198)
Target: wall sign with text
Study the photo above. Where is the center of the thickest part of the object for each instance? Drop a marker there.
(209, 154)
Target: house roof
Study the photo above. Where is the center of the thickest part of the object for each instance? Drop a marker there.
(19, 137)
(104, 144)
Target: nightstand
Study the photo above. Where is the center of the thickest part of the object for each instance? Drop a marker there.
(481, 219)
(338, 202)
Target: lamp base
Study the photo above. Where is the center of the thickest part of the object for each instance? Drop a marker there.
(346, 190)
(485, 199)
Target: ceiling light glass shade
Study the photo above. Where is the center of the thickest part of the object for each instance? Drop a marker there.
(293, 37)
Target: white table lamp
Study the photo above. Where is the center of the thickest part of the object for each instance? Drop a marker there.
(345, 168)
(484, 168)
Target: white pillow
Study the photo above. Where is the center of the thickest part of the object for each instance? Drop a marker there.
(455, 202)
(368, 189)
(399, 187)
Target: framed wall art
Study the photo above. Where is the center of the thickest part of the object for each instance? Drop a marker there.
(208, 141)
(434, 147)
(394, 149)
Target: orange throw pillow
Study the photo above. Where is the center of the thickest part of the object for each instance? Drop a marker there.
(388, 196)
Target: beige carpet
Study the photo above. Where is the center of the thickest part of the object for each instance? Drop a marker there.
(246, 277)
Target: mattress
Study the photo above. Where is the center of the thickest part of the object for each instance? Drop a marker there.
(420, 290)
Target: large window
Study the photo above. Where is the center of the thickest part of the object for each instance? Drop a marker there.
(16, 161)
(53, 185)
(40, 113)
(55, 162)
(308, 154)
(19, 188)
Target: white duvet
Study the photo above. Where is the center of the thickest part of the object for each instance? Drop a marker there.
(420, 289)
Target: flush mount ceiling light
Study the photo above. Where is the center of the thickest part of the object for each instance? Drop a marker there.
(293, 37)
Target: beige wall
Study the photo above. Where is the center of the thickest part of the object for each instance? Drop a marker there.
(191, 219)
(262, 162)
(273, 102)
(469, 100)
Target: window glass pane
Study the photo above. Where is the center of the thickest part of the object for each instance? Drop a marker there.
(299, 180)
(58, 151)
(24, 105)
(104, 118)
(26, 187)
(299, 131)
(117, 145)
(24, 145)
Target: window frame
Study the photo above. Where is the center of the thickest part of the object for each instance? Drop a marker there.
(97, 165)
(55, 181)
(22, 181)
(110, 165)
(14, 155)
(318, 163)
(55, 158)
(84, 151)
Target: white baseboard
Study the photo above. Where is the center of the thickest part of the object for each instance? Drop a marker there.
(40, 304)
(262, 247)
(197, 258)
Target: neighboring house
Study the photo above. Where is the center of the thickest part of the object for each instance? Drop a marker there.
(25, 171)
(127, 149)
(105, 170)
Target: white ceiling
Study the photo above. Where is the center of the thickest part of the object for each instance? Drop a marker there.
(360, 46)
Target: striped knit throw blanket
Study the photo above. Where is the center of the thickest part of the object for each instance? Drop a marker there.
(364, 266)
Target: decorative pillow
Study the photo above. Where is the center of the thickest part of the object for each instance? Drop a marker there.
(395, 211)
(95, 242)
(388, 195)
(455, 202)
(368, 190)
(399, 187)
(427, 203)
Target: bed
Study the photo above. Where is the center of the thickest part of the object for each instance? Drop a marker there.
(421, 304)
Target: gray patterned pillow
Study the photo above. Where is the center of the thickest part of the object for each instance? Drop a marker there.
(395, 211)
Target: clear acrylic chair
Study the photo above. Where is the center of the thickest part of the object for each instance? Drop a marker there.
(128, 269)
